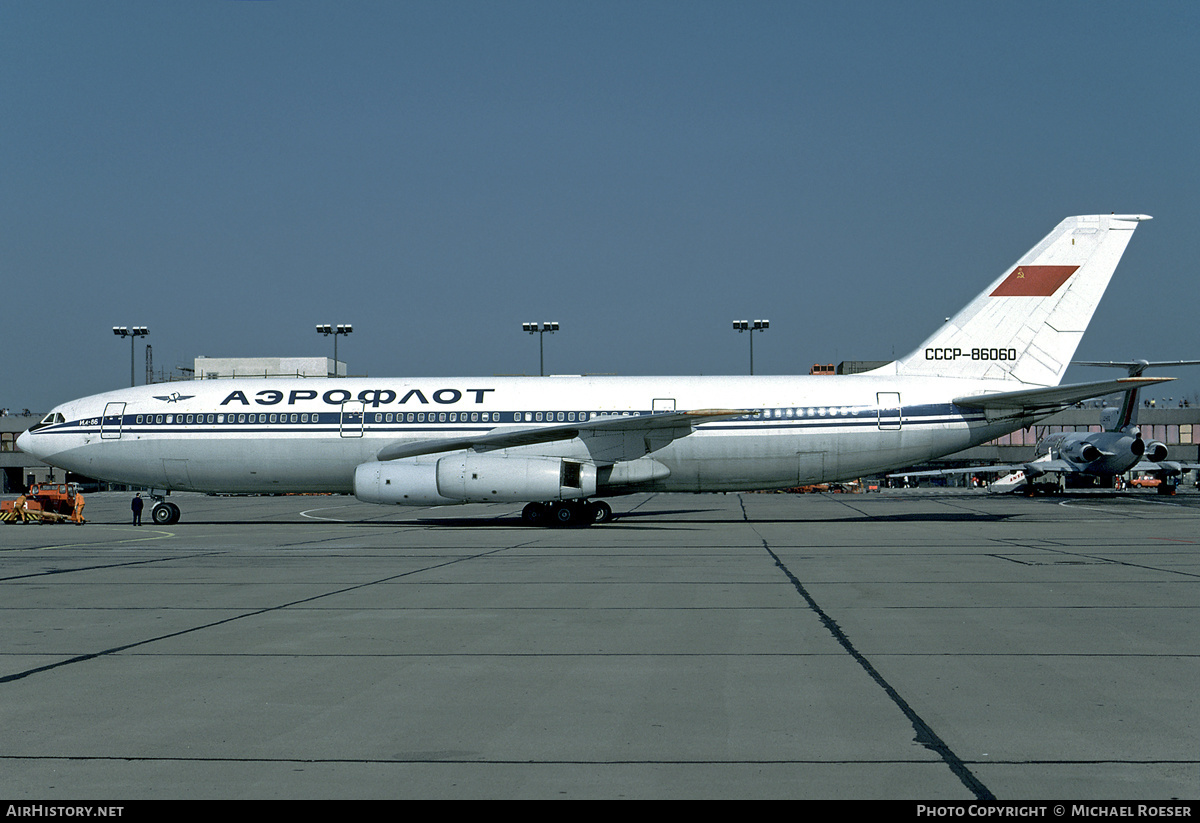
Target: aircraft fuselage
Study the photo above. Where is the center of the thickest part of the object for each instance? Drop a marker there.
(307, 435)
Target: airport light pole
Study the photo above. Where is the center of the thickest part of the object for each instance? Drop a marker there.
(133, 333)
(540, 331)
(745, 325)
(340, 328)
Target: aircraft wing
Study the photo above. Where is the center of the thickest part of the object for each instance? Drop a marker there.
(1167, 467)
(1033, 468)
(1053, 397)
(662, 428)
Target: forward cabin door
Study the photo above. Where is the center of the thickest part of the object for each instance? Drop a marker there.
(352, 418)
(110, 424)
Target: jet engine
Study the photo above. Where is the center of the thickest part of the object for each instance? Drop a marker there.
(1112, 452)
(473, 478)
(1156, 451)
(1082, 451)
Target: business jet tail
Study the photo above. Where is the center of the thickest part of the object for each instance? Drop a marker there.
(1026, 325)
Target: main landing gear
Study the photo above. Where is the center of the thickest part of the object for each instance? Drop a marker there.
(164, 513)
(567, 513)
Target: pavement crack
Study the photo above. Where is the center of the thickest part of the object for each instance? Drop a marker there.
(925, 735)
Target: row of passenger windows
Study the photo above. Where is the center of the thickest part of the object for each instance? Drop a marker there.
(451, 417)
(824, 411)
(376, 417)
(150, 419)
(482, 417)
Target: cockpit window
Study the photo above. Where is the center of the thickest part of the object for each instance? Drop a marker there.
(49, 420)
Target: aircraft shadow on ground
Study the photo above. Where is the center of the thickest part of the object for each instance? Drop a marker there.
(660, 518)
(679, 517)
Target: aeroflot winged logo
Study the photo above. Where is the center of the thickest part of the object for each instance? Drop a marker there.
(173, 397)
(1034, 281)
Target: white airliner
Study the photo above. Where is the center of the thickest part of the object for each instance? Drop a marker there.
(558, 442)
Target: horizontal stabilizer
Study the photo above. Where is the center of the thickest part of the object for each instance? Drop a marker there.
(1038, 400)
(1136, 367)
(512, 436)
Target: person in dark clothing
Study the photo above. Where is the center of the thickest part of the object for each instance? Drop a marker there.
(137, 509)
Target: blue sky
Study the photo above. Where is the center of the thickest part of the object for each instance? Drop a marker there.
(231, 174)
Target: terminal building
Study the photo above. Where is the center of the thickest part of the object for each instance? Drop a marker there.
(210, 368)
(18, 470)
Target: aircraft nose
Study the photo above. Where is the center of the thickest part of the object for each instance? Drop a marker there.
(25, 443)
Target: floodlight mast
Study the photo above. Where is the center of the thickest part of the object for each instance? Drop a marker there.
(339, 329)
(540, 331)
(133, 333)
(745, 325)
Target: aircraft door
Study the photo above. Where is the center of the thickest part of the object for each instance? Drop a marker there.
(352, 418)
(110, 423)
(888, 405)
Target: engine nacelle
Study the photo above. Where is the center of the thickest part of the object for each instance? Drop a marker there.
(1082, 451)
(1156, 451)
(402, 482)
(473, 478)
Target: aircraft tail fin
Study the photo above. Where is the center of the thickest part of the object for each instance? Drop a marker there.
(1026, 325)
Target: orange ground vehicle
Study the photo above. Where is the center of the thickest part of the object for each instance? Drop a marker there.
(45, 503)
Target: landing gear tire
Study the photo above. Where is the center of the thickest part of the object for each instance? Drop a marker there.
(535, 514)
(598, 512)
(572, 513)
(164, 514)
(567, 514)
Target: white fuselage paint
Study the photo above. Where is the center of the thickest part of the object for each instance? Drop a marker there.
(309, 435)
